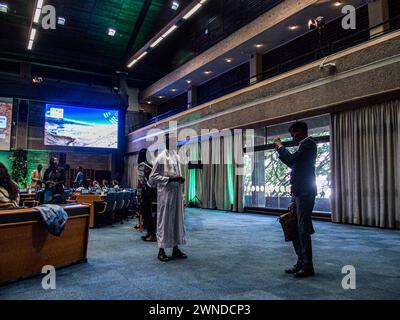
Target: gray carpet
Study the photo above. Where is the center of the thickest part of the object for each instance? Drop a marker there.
(231, 256)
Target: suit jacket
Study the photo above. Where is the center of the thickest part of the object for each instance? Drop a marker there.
(302, 163)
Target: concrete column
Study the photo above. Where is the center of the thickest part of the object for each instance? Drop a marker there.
(378, 12)
(192, 97)
(255, 68)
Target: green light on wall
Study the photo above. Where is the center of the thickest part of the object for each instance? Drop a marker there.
(192, 185)
(230, 183)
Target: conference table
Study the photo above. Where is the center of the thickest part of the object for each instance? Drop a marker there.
(26, 197)
(90, 199)
(26, 245)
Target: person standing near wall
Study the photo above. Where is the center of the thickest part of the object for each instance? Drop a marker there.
(54, 179)
(37, 177)
(80, 176)
(304, 190)
(146, 194)
(167, 177)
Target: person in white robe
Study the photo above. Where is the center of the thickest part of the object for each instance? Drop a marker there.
(167, 177)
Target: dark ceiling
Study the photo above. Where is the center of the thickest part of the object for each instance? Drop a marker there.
(83, 42)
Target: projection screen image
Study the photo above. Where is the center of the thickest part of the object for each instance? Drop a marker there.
(5, 123)
(81, 127)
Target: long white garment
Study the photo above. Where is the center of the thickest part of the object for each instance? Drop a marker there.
(170, 213)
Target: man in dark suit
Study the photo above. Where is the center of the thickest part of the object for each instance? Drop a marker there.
(304, 190)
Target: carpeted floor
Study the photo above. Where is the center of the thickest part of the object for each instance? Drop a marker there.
(231, 256)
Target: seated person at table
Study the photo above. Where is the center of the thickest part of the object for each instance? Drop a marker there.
(95, 185)
(115, 184)
(54, 178)
(85, 184)
(9, 197)
(37, 177)
(104, 185)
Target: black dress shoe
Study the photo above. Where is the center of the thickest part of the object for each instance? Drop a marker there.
(178, 254)
(296, 268)
(305, 272)
(163, 257)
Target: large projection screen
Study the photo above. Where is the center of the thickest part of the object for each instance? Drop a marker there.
(81, 127)
(5, 123)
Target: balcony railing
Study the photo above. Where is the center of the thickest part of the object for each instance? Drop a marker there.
(311, 56)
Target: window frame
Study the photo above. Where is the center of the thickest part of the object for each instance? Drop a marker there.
(287, 144)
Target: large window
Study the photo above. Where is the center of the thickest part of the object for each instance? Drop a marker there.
(266, 178)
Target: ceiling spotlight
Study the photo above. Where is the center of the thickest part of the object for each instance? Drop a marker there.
(160, 97)
(293, 27)
(3, 7)
(337, 3)
(188, 81)
(228, 60)
(173, 90)
(207, 72)
(61, 21)
(317, 23)
(111, 32)
(175, 5)
(36, 80)
(259, 45)
(148, 102)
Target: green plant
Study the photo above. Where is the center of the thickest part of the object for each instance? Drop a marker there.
(19, 167)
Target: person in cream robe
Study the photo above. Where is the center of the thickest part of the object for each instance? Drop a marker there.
(167, 177)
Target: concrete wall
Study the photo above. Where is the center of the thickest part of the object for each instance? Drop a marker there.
(365, 71)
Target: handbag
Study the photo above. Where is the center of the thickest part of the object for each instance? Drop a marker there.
(288, 222)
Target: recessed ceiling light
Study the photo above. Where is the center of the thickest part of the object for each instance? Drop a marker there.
(111, 32)
(188, 81)
(259, 45)
(173, 90)
(192, 11)
(207, 72)
(228, 60)
(32, 35)
(169, 31)
(61, 21)
(160, 97)
(142, 55)
(293, 27)
(148, 102)
(132, 63)
(337, 3)
(4, 7)
(38, 11)
(30, 44)
(155, 43)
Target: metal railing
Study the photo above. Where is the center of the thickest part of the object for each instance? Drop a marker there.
(311, 56)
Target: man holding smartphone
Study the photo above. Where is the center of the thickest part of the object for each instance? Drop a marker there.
(304, 190)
